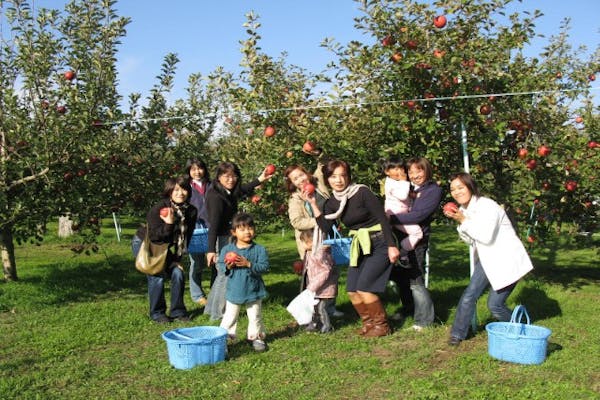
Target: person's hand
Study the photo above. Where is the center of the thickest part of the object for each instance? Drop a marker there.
(167, 215)
(211, 258)
(457, 215)
(265, 175)
(393, 254)
(243, 262)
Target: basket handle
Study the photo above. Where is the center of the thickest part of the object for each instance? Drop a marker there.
(336, 233)
(518, 313)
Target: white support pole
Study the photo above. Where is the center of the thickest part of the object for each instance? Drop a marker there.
(117, 226)
(467, 169)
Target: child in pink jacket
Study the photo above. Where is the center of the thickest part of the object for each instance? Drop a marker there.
(322, 280)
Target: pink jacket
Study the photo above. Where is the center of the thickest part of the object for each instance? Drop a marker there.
(322, 273)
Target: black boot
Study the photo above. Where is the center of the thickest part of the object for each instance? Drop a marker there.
(315, 324)
(324, 315)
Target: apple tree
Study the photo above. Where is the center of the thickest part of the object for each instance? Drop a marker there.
(423, 80)
(57, 85)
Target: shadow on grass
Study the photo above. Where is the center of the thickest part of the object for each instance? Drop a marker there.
(89, 279)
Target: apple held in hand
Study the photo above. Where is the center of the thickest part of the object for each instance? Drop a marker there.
(164, 212)
(298, 266)
(231, 257)
(450, 208)
(309, 188)
(270, 169)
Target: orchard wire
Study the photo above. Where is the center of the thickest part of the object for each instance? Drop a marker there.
(360, 104)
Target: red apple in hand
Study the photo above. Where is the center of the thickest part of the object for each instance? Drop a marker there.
(309, 188)
(164, 212)
(298, 267)
(450, 208)
(231, 257)
(439, 21)
(270, 169)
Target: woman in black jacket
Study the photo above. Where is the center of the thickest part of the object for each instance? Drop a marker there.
(221, 205)
(171, 220)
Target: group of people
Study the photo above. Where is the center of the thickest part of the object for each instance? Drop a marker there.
(389, 242)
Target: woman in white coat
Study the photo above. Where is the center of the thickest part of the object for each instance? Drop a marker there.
(500, 259)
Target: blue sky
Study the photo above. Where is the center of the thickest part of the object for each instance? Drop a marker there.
(206, 33)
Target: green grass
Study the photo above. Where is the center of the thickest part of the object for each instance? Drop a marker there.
(76, 327)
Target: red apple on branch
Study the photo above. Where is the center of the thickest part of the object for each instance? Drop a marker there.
(593, 145)
(439, 21)
(522, 153)
(388, 41)
(592, 77)
(578, 119)
(531, 239)
(269, 131)
(308, 146)
(396, 57)
(485, 109)
(543, 150)
(570, 186)
(231, 257)
(255, 199)
(69, 75)
(531, 164)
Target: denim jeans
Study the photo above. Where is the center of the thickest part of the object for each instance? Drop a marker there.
(156, 288)
(411, 283)
(468, 301)
(197, 266)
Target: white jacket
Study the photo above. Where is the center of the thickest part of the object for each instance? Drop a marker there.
(499, 250)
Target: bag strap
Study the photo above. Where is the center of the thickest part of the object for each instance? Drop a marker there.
(518, 313)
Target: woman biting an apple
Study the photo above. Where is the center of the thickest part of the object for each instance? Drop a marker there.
(373, 248)
(500, 258)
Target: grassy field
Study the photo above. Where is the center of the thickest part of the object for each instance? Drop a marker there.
(76, 327)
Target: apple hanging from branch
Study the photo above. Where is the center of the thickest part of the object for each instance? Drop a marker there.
(439, 21)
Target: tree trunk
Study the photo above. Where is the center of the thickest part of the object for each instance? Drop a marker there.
(7, 252)
(65, 227)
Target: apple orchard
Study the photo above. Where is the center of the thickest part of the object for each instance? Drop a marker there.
(427, 76)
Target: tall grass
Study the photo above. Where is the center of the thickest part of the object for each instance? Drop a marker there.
(76, 327)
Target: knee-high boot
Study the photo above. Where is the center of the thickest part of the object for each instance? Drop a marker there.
(380, 324)
(365, 316)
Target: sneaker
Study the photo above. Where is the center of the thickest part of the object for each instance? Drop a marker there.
(397, 316)
(259, 345)
(454, 341)
(201, 301)
(163, 319)
(183, 318)
(417, 328)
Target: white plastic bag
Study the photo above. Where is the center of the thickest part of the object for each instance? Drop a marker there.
(302, 307)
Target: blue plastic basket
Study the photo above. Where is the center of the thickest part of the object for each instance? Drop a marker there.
(518, 342)
(199, 241)
(200, 345)
(340, 247)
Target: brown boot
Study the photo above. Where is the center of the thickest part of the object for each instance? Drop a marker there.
(363, 313)
(379, 318)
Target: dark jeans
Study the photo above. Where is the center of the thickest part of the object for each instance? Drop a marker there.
(411, 284)
(156, 288)
(468, 301)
